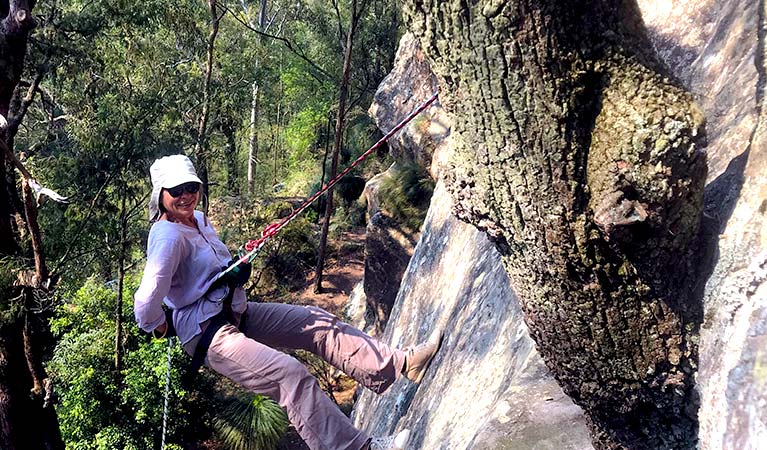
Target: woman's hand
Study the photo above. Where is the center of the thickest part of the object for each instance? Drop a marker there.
(160, 331)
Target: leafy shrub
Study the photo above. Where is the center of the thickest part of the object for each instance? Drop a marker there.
(251, 422)
(349, 216)
(406, 195)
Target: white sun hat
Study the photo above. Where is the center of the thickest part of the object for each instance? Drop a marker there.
(168, 172)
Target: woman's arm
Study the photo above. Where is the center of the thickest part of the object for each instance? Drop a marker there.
(163, 259)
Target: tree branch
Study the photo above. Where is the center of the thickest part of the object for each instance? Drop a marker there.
(26, 102)
(285, 42)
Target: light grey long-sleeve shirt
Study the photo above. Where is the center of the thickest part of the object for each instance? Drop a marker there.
(181, 265)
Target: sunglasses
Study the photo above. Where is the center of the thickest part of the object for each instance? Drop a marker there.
(177, 191)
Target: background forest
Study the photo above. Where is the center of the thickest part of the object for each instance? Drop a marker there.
(252, 91)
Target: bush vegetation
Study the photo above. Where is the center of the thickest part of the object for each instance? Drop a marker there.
(406, 195)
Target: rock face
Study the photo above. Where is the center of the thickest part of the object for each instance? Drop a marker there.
(488, 387)
(389, 245)
(717, 50)
(388, 248)
(424, 140)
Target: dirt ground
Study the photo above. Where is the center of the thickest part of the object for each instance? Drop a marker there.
(343, 270)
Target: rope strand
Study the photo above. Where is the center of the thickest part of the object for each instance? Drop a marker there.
(252, 247)
(167, 394)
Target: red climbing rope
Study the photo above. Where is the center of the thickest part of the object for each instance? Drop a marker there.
(254, 245)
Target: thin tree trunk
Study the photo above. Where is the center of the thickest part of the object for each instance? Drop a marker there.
(342, 96)
(200, 147)
(253, 146)
(230, 155)
(120, 286)
(277, 144)
(324, 165)
(582, 163)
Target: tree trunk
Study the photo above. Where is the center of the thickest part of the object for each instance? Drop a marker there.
(343, 92)
(120, 285)
(200, 146)
(9, 238)
(27, 418)
(253, 147)
(582, 163)
(15, 27)
(230, 155)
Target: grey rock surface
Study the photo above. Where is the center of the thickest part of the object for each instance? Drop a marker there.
(487, 387)
(388, 248)
(411, 82)
(717, 51)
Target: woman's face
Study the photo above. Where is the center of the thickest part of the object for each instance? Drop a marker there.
(182, 206)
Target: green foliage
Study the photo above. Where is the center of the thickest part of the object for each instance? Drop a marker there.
(9, 268)
(123, 87)
(103, 408)
(286, 258)
(251, 422)
(406, 195)
(349, 216)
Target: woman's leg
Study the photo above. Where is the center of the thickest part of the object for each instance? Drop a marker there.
(369, 361)
(269, 372)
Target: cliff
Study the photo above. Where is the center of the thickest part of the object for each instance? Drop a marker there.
(488, 387)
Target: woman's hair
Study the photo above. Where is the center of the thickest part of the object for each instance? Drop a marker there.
(159, 203)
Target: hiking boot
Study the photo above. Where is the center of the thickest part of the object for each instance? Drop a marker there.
(396, 442)
(418, 358)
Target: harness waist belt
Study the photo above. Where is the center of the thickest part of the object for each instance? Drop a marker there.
(201, 350)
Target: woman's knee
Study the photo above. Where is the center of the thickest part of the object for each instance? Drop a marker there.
(293, 371)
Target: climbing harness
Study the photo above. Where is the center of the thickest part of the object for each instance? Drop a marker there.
(248, 252)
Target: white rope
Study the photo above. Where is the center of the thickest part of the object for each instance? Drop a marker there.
(167, 394)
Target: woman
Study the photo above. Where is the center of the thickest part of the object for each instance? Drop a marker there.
(184, 255)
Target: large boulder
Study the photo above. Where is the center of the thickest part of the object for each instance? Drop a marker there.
(424, 141)
(410, 83)
(488, 387)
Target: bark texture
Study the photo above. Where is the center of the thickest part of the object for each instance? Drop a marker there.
(581, 161)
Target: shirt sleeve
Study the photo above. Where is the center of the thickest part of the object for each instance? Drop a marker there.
(163, 258)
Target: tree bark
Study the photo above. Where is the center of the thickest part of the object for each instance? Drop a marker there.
(14, 32)
(15, 27)
(230, 155)
(581, 160)
(27, 418)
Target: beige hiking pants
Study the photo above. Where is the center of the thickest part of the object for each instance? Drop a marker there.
(250, 359)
